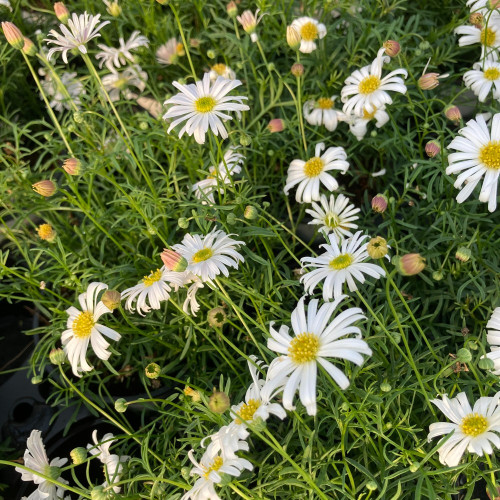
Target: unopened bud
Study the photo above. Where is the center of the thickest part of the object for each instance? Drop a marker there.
(379, 203)
(392, 48)
(29, 47)
(245, 140)
(371, 485)
(121, 405)
(193, 42)
(153, 370)
(37, 379)
(437, 275)
(57, 356)
(191, 393)
(46, 232)
(464, 355)
(276, 125)
(98, 493)
(293, 38)
(250, 212)
(183, 222)
(486, 363)
(72, 166)
(453, 113)
(61, 11)
(111, 299)
(78, 455)
(477, 20)
(114, 9)
(231, 9)
(297, 69)
(217, 317)
(219, 402)
(463, 254)
(410, 264)
(385, 387)
(377, 248)
(45, 188)
(432, 149)
(211, 54)
(173, 261)
(13, 35)
(428, 81)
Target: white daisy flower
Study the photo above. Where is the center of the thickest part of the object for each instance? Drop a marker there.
(118, 82)
(209, 255)
(83, 327)
(202, 105)
(478, 155)
(59, 99)
(358, 125)
(315, 340)
(82, 28)
(221, 69)
(229, 439)
(35, 458)
(169, 52)
(310, 174)
(338, 265)
(488, 37)
(482, 81)
(210, 468)
(115, 58)
(309, 30)
(154, 288)
(113, 464)
(321, 112)
(368, 89)
(473, 428)
(335, 215)
(493, 339)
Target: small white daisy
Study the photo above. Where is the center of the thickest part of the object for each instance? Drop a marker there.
(228, 440)
(358, 125)
(473, 428)
(117, 82)
(221, 69)
(315, 339)
(83, 28)
(488, 37)
(335, 215)
(117, 57)
(310, 174)
(59, 99)
(169, 52)
(478, 155)
(338, 265)
(309, 30)
(83, 327)
(482, 81)
(368, 89)
(493, 339)
(209, 255)
(202, 105)
(35, 458)
(322, 112)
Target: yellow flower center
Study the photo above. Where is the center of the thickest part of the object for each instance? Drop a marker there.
(492, 74)
(180, 49)
(247, 411)
(152, 278)
(202, 255)
(474, 425)
(219, 68)
(216, 465)
(304, 348)
(121, 83)
(489, 155)
(332, 221)
(341, 262)
(309, 32)
(369, 116)
(488, 37)
(313, 167)
(82, 326)
(369, 84)
(325, 103)
(45, 231)
(205, 104)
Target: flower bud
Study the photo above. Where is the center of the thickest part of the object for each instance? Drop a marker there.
(379, 203)
(250, 212)
(219, 402)
(486, 363)
(13, 35)
(183, 222)
(193, 42)
(114, 9)
(453, 113)
(437, 275)
(463, 254)
(191, 393)
(245, 140)
(231, 9)
(464, 355)
(46, 232)
(371, 486)
(111, 299)
(29, 47)
(37, 379)
(410, 264)
(72, 166)
(121, 405)
(297, 69)
(217, 317)
(477, 20)
(428, 81)
(98, 492)
(293, 38)
(432, 148)
(78, 455)
(153, 370)
(276, 125)
(385, 387)
(211, 54)
(173, 261)
(392, 48)
(57, 356)
(45, 188)
(377, 248)
(61, 11)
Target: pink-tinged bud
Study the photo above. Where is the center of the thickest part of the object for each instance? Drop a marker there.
(477, 20)
(46, 232)
(45, 188)
(379, 203)
(432, 149)
(276, 125)
(428, 81)
(409, 264)
(62, 13)
(231, 9)
(29, 47)
(297, 69)
(463, 254)
(392, 48)
(453, 113)
(293, 38)
(13, 35)
(111, 299)
(193, 42)
(173, 261)
(72, 166)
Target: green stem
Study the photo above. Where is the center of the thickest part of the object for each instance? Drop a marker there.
(186, 47)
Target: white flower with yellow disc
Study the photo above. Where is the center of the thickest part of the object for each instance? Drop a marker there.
(322, 112)
(483, 78)
(309, 30)
(358, 125)
(488, 36)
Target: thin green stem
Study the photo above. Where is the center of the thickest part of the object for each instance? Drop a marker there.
(186, 47)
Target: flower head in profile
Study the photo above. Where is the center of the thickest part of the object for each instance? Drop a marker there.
(477, 156)
(79, 30)
(310, 174)
(35, 458)
(118, 82)
(358, 125)
(116, 57)
(249, 21)
(322, 112)
(366, 89)
(316, 337)
(221, 69)
(341, 263)
(474, 429)
(309, 30)
(204, 105)
(493, 339)
(335, 215)
(169, 52)
(484, 78)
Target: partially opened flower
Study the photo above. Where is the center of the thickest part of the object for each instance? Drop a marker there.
(358, 125)
(249, 21)
(493, 339)
(315, 339)
(221, 69)
(309, 30)
(118, 82)
(483, 78)
(322, 112)
(474, 429)
(169, 52)
(117, 57)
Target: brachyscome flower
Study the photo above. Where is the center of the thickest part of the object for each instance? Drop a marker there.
(322, 112)
(82, 28)
(310, 174)
(221, 69)
(482, 81)
(117, 57)
(493, 339)
(315, 339)
(488, 37)
(473, 428)
(309, 30)
(344, 263)
(335, 215)
(117, 82)
(202, 105)
(478, 155)
(358, 125)
(249, 21)
(369, 89)
(169, 52)
(83, 328)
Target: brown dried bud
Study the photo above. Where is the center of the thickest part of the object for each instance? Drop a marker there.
(477, 20)
(392, 48)
(111, 299)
